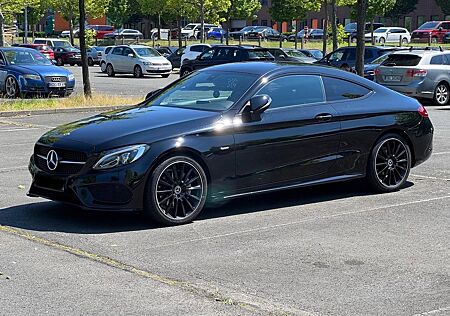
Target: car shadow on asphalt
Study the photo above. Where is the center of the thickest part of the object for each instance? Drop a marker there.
(59, 217)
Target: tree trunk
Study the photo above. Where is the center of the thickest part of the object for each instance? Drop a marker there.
(71, 28)
(334, 24)
(84, 60)
(25, 12)
(180, 40)
(228, 29)
(360, 44)
(372, 40)
(2, 37)
(325, 26)
(202, 21)
(159, 26)
(297, 26)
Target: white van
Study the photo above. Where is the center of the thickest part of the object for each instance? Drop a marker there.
(192, 30)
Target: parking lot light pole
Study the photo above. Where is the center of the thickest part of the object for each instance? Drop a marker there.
(84, 61)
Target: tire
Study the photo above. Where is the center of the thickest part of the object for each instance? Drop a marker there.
(184, 72)
(110, 70)
(382, 40)
(137, 72)
(442, 94)
(103, 67)
(165, 75)
(405, 41)
(176, 191)
(59, 61)
(389, 163)
(90, 62)
(12, 89)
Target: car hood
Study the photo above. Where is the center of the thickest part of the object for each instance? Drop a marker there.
(129, 126)
(424, 31)
(156, 59)
(43, 70)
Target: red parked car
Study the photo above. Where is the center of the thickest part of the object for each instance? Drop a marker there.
(46, 50)
(101, 30)
(435, 29)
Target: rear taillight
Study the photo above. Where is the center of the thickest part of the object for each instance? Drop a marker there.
(422, 111)
(416, 73)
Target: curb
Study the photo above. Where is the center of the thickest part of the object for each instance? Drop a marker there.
(68, 110)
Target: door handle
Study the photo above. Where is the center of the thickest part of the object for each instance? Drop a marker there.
(324, 117)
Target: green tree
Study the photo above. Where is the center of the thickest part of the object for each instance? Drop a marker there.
(240, 9)
(402, 7)
(177, 10)
(8, 9)
(119, 11)
(445, 5)
(69, 10)
(154, 8)
(211, 11)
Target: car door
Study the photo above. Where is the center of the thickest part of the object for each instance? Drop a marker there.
(296, 138)
(3, 72)
(115, 58)
(127, 63)
(205, 59)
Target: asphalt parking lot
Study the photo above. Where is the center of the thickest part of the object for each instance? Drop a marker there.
(329, 250)
(123, 85)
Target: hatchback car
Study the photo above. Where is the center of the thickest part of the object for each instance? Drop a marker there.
(390, 35)
(266, 33)
(418, 73)
(124, 33)
(241, 34)
(231, 131)
(216, 33)
(351, 29)
(94, 54)
(310, 34)
(25, 71)
(138, 60)
(45, 50)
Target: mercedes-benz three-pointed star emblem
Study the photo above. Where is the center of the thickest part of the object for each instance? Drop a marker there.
(52, 160)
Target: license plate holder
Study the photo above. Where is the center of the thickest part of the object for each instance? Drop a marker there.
(393, 78)
(56, 84)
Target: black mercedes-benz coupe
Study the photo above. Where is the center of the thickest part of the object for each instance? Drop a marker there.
(230, 131)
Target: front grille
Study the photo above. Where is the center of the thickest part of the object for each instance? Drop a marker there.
(64, 155)
(56, 79)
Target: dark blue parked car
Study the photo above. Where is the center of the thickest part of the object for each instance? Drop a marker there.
(25, 71)
(216, 33)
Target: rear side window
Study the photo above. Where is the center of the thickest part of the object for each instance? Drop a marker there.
(437, 60)
(402, 60)
(337, 89)
(256, 54)
(107, 50)
(199, 48)
(294, 90)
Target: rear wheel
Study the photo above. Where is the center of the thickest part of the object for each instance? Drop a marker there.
(441, 94)
(137, 72)
(382, 40)
(110, 70)
(389, 163)
(90, 62)
(176, 192)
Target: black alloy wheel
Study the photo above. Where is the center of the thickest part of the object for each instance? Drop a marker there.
(177, 191)
(389, 163)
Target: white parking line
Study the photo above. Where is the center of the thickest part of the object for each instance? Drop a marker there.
(17, 144)
(442, 153)
(305, 221)
(428, 177)
(434, 311)
(3, 170)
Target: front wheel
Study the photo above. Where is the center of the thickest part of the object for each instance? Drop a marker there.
(176, 191)
(184, 72)
(103, 66)
(405, 41)
(12, 89)
(137, 72)
(90, 62)
(382, 40)
(389, 163)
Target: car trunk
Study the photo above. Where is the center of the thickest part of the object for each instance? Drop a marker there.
(399, 69)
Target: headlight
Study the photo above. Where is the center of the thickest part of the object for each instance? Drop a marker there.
(32, 77)
(70, 77)
(120, 156)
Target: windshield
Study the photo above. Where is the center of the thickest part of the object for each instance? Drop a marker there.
(429, 25)
(189, 27)
(146, 52)
(61, 44)
(380, 30)
(350, 27)
(26, 57)
(206, 90)
(295, 53)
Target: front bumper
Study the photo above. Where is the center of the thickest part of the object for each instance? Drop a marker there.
(163, 69)
(41, 87)
(120, 189)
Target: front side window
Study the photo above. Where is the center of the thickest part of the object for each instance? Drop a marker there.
(206, 90)
(294, 90)
(337, 89)
(207, 55)
(337, 55)
(20, 57)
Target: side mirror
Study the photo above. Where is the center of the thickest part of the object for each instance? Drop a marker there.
(131, 55)
(260, 103)
(152, 93)
(54, 62)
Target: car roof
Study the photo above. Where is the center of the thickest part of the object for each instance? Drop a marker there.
(422, 52)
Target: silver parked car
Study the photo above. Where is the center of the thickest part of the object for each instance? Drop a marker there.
(418, 73)
(138, 60)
